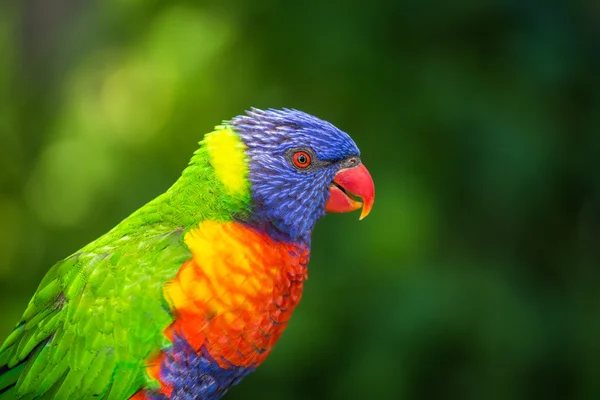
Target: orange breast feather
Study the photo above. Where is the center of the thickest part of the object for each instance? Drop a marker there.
(237, 293)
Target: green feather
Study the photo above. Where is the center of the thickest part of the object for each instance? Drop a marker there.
(10, 376)
(100, 313)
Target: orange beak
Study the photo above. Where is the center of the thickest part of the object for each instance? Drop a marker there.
(351, 189)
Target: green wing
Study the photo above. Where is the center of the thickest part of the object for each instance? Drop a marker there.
(94, 320)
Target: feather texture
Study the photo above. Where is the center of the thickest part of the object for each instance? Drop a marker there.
(190, 293)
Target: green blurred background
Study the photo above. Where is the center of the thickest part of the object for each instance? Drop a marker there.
(476, 276)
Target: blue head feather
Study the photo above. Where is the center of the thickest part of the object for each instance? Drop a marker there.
(287, 201)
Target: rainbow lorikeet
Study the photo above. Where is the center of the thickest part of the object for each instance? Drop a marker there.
(188, 295)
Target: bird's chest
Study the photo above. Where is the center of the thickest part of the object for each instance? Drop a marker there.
(234, 298)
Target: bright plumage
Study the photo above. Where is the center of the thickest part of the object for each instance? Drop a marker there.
(189, 294)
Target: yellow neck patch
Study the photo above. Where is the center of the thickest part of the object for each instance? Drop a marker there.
(228, 157)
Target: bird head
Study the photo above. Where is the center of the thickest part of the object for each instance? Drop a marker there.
(300, 167)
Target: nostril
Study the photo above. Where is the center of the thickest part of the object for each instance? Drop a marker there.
(351, 162)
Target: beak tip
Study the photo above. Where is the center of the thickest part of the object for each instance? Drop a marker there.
(365, 211)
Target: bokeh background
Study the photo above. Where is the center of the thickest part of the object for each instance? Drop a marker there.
(477, 275)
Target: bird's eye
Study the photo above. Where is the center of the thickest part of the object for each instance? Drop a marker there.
(301, 159)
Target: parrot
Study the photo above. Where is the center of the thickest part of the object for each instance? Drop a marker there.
(186, 296)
